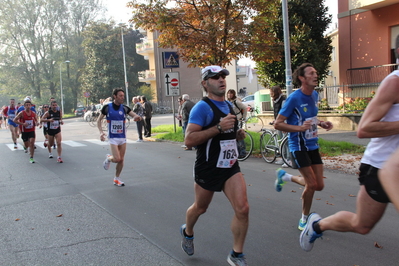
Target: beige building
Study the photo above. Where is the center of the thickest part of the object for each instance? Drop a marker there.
(333, 74)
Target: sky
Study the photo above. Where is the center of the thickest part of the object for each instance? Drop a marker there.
(120, 13)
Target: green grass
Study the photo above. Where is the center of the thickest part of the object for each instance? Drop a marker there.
(334, 148)
(166, 132)
(68, 115)
(327, 148)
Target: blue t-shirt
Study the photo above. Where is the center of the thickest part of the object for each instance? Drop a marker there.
(202, 113)
(298, 108)
(22, 108)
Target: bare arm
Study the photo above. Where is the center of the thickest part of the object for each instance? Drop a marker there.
(135, 116)
(196, 136)
(279, 124)
(370, 125)
(17, 118)
(102, 134)
(44, 118)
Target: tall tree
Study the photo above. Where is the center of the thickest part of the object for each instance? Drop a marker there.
(34, 37)
(308, 20)
(104, 69)
(206, 32)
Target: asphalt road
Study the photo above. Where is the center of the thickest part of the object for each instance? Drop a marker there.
(71, 214)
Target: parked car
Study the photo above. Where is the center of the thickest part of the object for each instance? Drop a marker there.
(249, 100)
(79, 111)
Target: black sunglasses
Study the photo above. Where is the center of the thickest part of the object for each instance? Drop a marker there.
(217, 76)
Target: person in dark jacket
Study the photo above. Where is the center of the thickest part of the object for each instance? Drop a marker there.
(147, 116)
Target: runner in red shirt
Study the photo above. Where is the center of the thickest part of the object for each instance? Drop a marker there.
(27, 119)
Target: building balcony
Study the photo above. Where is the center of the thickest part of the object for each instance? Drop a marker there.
(147, 76)
(145, 48)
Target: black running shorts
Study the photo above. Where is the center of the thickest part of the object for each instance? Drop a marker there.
(368, 177)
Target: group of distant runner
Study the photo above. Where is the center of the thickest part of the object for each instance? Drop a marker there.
(24, 119)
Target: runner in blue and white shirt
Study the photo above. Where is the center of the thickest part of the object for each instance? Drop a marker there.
(298, 116)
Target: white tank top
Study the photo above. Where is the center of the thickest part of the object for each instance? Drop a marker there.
(379, 149)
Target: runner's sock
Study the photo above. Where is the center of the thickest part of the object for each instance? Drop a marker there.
(316, 228)
(184, 233)
(304, 217)
(286, 177)
(236, 254)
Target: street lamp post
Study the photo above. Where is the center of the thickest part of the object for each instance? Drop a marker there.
(124, 64)
(62, 95)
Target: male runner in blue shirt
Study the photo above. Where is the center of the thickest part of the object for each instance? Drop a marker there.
(298, 116)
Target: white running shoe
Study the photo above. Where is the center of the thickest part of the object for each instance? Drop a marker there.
(107, 162)
(118, 182)
(50, 155)
(308, 235)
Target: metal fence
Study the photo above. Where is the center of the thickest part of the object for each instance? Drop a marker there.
(338, 95)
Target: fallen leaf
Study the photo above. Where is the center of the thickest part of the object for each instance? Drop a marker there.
(331, 196)
(377, 245)
(350, 195)
(318, 199)
(60, 215)
(293, 191)
(17, 219)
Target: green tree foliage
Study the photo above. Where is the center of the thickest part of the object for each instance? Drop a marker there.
(36, 36)
(208, 32)
(104, 69)
(308, 21)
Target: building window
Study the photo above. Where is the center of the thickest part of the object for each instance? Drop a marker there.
(333, 54)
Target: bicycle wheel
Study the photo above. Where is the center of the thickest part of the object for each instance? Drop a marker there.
(285, 152)
(245, 147)
(127, 122)
(254, 123)
(93, 121)
(268, 146)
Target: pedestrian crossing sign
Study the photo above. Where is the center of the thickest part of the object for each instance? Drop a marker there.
(170, 59)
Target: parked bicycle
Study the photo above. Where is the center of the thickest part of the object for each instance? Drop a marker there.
(253, 122)
(245, 146)
(272, 146)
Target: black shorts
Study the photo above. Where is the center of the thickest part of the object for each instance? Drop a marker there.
(53, 132)
(214, 179)
(45, 131)
(25, 136)
(368, 177)
(305, 158)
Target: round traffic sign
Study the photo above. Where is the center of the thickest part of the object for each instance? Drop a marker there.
(174, 82)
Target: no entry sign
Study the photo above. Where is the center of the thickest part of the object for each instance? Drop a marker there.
(172, 84)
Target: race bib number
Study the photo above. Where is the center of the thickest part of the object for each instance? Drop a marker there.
(11, 116)
(228, 153)
(311, 133)
(55, 124)
(29, 124)
(116, 126)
